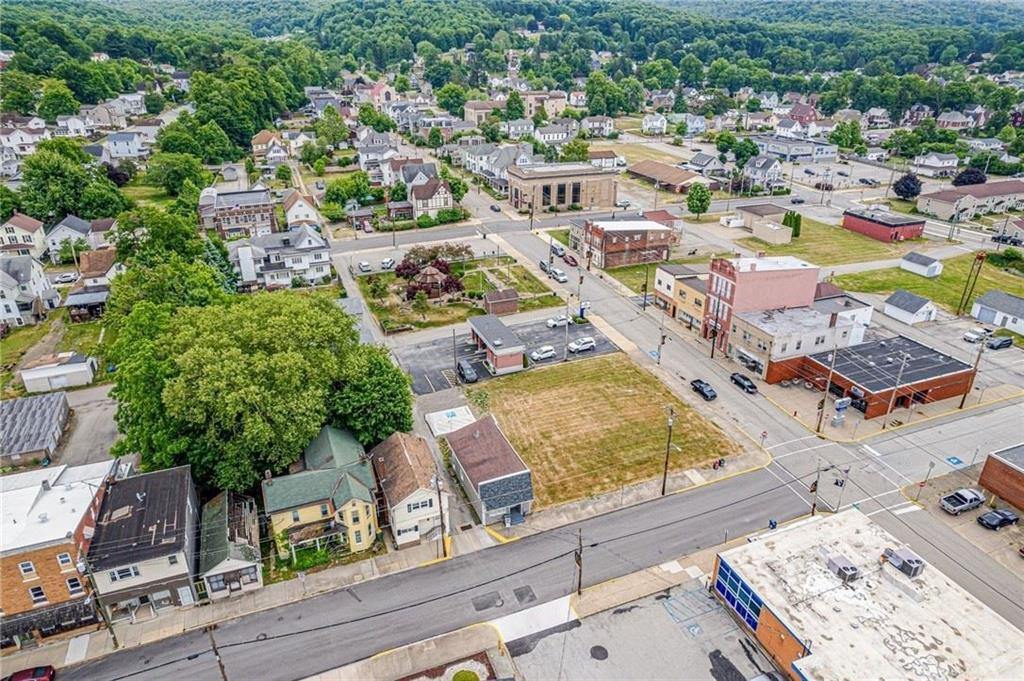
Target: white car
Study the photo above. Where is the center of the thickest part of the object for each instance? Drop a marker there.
(976, 335)
(542, 353)
(623, 203)
(582, 344)
(364, 266)
(560, 320)
(387, 263)
(66, 278)
(558, 275)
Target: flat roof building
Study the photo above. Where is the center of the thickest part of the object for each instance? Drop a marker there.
(614, 243)
(1003, 474)
(559, 186)
(883, 225)
(503, 347)
(838, 597)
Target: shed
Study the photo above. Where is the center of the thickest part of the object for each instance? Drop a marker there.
(497, 481)
(921, 264)
(87, 303)
(32, 426)
(53, 372)
(909, 308)
(1000, 308)
(502, 301)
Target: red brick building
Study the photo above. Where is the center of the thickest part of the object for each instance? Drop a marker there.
(1003, 475)
(613, 243)
(504, 350)
(882, 225)
(502, 301)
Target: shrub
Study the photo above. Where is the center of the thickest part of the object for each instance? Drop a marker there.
(332, 211)
(575, 206)
(425, 221)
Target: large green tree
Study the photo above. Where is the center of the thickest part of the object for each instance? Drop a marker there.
(373, 397)
(171, 171)
(56, 100)
(18, 91)
(173, 282)
(698, 199)
(54, 185)
(148, 235)
(451, 98)
(330, 128)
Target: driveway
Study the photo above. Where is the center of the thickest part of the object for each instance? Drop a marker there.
(91, 429)
(431, 364)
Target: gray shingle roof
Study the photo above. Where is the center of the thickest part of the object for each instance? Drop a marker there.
(907, 301)
(74, 223)
(224, 534)
(29, 423)
(919, 259)
(1003, 302)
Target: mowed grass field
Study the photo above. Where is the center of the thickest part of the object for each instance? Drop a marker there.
(594, 425)
(822, 244)
(634, 153)
(944, 290)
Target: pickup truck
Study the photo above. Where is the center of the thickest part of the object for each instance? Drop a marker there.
(961, 500)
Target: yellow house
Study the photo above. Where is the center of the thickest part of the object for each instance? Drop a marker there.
(679, 290)
(330, 503)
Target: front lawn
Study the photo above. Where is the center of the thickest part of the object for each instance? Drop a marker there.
(822, 244)
(945, 289)
(145, 195)
(592, 426)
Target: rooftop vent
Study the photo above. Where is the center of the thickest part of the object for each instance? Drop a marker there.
(905, 560)
(43, 517)
(841, 567)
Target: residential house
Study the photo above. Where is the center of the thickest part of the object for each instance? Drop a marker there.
(654, 124)
(229, 556)
(133, 103)
(964, 203)
(261, 143)
(555, 103)
(105, 115)
(921, 264)
(978, 115)
(769, 100)
(277, 154)
(821, 128)
(953, 120)
(803, 113)
(299, 209)
(22, 141)
(1001, 309)
(414, 505)
(759, 120)
(242, 213)
(613, 243)
(476, 112)
(497, 482)
(540, 187)
(98, 267)
(578, 99)
(934, 164)
(330, 502)
(707, 165)
(790, 127)
(493, 162)
(72, 228)
(99, 231)
(430, 197)
(295, 140)
(909, 308)
(23, 235)
(57, 371)
(148, 128)
(605, 158)
(277, 259)
(680, 290)
(750, 285)
(598, 126)
(72, 126)
(917, 113)
(990, 144)
(555, 134)
(416, 173)
(14, 120)
(663, 99)
(848, 115)
(26, 295)
(373, 157)
(883, 225)
(181, 80)
(49, 516)
(877, 117)
(876, 154)
(127, 145)
(157, 515)
(521, 127)
(763, 171)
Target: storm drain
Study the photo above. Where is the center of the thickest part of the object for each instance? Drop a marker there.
(599, 653)
(524, 595)
(487, 601)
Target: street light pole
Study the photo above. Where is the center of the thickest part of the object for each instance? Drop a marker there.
(920, 485)
(895, 389)
(668, 448)
(817, 481)
(828, 384)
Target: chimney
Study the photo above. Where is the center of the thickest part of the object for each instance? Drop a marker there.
(46, 485)
(266, 476)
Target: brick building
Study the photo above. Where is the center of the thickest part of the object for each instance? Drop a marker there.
(48, 523)
(611, 243)
(1003, 475)
(557, 186)
(233, 214)
(504, 351)
(753, 284)
(881, 225)
(501, 301)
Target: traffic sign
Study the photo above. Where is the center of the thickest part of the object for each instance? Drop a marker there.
(954, 461)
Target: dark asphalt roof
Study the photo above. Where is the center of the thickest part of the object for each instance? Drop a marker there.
(1012, 455)
(885, 218)
(30, 423)
(905, 300)
(874, 366)
(494, 333)
(919, 259)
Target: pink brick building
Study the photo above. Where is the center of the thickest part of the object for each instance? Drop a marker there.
(752, 284)
(504, 350)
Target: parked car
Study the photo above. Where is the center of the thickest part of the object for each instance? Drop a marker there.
(558, 250)
(704, 389)
(824, 186)
(994, 520)
(622, 203)
(319, 184)
(570, 260)
(977, 334)
(495, 208)
(560, 320)
(842, 173)
(809, 171)
(466, 371)
(66, 278)
(542, 353)
(368, 229)
(387, 263)
(961, 500)
(364, 266)
(543, 265)
(797, 200)
(44, 673)
(999, 343)
(582, 344)
(743, 382)
(558, 275)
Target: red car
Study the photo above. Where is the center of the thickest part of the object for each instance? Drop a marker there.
(46, 673)
(569, 260)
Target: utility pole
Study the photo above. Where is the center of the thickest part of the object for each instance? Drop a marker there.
(579, 563)
(455, 354)
(85, 567)
(972, 279)
(647, 274)
(920, 485)
(661, 335)
(817, 480)
(892, 176)
(828, 384)
(974, 374)
(668, 448)
(551, 253)
(565, 345)
(1002, 232)
(892, 398)
(714, 329)
(440, 509)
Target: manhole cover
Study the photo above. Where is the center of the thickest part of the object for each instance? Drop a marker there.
(464, 528)
(599, 653)
(524, 595)
(490, 600)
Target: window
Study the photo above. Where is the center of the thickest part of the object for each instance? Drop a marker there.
(355, 517)
(248, 575)
(560, 195)
(295, 516)
(324, 511)
(75, 587)
(216, 582)
(38, 595)
(427, 503)
(124, 573)
(172, 560)
(575, 192)
(798, 344)
(27, 569)
(64, 560)
(545, 195)
(359, 537)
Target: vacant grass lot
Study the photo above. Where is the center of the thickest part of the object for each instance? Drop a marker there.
(945, 289)
(592, 426)
(822, 244)
(560, 235)
(628, 123)
(634, 153)
(145, 195)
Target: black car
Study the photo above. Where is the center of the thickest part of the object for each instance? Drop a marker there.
(796, 199)
(466, 372)
(495, 208)
(743, 382)
(999, 342)
(994, 520)
(704, 389)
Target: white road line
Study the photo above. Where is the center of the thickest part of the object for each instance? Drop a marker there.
(871, 450)
(789, 485)
(788, 442)
(907, 509)
(805, 449)
(883, 462)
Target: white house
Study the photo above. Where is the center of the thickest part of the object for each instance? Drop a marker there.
(763, 170)
(934, 164)
(1000, 308)
(56, 372)
(430, 197)
(127, 145)
(275, 259)
(23, 235)
(654, 124)
(909, 308)
(598, 126)
(277, 153)
(921, 264)
(299, 210)
(25, 293)
(133, 103)
(417, 505)
(71, 228)
(22, 141)
(72, 126)
(518, 128)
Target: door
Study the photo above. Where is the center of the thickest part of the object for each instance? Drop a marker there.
(185, 595)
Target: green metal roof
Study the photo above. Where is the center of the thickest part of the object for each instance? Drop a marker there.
(333, 448)
(215, 546)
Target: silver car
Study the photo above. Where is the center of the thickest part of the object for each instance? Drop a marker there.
(364, 266)
(542, 353)
(582, 344)
(558, 275)
(560, 320)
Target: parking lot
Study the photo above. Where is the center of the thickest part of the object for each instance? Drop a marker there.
(432, 364)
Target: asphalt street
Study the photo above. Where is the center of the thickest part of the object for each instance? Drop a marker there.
(353, 623)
